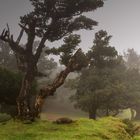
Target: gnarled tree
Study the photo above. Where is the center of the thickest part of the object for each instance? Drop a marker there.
(50, 20)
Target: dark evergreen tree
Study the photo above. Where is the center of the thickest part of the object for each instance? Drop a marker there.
(102, 54)
(132, 59)
(132, 62)
(106, 85)
(9, 88)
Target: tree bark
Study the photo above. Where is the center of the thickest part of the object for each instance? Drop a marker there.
(49, 90)
(107, 110)
(25, 110)
(92, 114)
(24, 99)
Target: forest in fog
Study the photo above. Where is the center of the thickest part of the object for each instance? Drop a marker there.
(54, 85)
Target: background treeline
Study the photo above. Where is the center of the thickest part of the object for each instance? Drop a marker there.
(109, 84)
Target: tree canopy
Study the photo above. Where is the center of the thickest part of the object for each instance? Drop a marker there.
(106, 85)
(50, 20)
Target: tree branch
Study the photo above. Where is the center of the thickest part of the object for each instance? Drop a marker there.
(59, 80)
(24, 28)
(42, 42)
(20, 36)
(40, 48)
(16, 48)
(5, 36)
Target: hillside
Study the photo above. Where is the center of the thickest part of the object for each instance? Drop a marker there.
(83, 129)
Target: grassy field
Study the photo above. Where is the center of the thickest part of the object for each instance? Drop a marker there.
(136, 138)
(82, 129)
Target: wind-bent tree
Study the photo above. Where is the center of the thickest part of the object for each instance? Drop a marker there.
(50, 20)
(10, 77)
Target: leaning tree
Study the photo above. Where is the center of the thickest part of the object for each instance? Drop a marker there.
(50, 20)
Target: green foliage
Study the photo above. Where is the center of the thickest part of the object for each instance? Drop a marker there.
(10, 83)
(83, 129)
(132, 62)
(101, 89)
(133, 128)
(132, 59)
(60, 17)
(4, 117)
(102, 54)
(108, 89)
(130, 127)
(9, 86)
(50, 20)
(136, 138)
(9, 109)
(66, 51)
(72, 83)
(96, 83)
(106, 86)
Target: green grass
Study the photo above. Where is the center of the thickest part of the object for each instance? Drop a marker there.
(136, 138)
(83, 129)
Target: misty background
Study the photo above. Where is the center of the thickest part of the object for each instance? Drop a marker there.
(119, 18)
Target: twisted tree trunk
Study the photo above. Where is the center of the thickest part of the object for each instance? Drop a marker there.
(23, 100)
(49, 90)
(26, 57)
(25, 110)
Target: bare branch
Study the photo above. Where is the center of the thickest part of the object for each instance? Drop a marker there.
(20, 35)
(3, 32)
(24, 28)
(40, 48)
(5, 36)
(16, 48)
(8, 30)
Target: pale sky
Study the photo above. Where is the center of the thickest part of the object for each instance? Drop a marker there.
(120, 18)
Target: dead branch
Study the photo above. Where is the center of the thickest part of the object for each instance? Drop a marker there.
(5, 36)
(20, 36)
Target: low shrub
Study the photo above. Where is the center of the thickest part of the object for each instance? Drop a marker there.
(64, 120)
(130, 127)
(4, 117)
